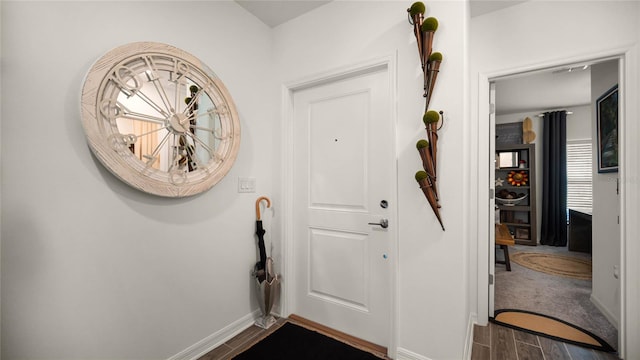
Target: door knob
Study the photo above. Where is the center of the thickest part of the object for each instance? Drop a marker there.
(384, 223)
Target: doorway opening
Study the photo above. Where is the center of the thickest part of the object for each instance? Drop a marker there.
(582, 302)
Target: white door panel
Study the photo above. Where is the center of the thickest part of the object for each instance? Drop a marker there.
(336, 254)
(338, 146)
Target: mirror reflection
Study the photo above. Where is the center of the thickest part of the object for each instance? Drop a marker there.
(165, 117)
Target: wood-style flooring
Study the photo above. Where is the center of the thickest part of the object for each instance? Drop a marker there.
(495, 342)
(240, 342)
(491, 342)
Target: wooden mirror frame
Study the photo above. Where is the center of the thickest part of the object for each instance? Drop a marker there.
(119, 76)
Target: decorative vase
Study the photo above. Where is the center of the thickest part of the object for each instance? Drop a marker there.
(268, 292)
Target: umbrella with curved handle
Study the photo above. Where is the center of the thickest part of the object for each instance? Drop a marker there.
(267, 281)
(261, 265)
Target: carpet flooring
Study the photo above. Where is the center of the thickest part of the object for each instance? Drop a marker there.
(560, 297)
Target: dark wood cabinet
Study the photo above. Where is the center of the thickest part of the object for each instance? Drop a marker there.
(517, 160)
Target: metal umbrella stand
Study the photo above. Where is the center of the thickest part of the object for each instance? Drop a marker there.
(267, 281)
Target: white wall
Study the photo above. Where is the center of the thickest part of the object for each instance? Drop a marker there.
(606, 205)
(507, 42)
(432, 263)
(578, 128)
(578, 123)
(92, 268)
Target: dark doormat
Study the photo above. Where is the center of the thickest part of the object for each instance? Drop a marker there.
(550, 327)
(293, 342)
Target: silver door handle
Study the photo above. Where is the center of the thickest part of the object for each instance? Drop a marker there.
(384, 223)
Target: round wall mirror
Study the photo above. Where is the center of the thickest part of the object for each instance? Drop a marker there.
(159, 119)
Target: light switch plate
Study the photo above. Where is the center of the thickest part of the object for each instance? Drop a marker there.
(246, 185)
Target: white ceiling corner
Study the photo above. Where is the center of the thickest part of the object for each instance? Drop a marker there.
(481, 7)
(276, 12)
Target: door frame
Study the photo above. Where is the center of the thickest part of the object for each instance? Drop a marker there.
(628, 269)
(492, 197)
(287, 302)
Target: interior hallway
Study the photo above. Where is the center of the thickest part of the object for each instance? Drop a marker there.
(563, 298)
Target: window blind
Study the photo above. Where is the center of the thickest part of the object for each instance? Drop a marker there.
(579, 175)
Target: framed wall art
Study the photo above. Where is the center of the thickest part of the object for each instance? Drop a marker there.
(509, 134)
(607, 130)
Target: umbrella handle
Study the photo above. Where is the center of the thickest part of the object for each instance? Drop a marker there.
(258, 205)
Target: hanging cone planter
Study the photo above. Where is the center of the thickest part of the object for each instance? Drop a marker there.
(429, 27)
(427, 188)
(433, 68)
(416, 17)
(431, 119)
(427, 163)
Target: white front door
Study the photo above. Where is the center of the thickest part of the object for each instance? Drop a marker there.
(343, 175)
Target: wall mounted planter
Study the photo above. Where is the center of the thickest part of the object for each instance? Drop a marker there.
(424, 30)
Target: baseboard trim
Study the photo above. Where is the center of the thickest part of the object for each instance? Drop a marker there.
(468, 344)
(404, 354)
(604, 311)
(216, 339)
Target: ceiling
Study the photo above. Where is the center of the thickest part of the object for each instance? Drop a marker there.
(548, 90)
(276, 12)
(480, 7)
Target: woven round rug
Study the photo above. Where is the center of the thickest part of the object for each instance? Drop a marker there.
(553, 264)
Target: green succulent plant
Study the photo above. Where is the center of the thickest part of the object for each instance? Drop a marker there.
(436, 56)
(417, 8)
(430, 117)
(421, 175)
(421, 144)
(430, 24)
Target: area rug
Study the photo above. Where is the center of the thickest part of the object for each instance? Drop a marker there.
(293, 342)
(553, 264)
(550, 327)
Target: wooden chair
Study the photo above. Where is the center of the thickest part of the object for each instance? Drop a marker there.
(504, 239)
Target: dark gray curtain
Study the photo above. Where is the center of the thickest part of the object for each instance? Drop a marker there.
(554, 179)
